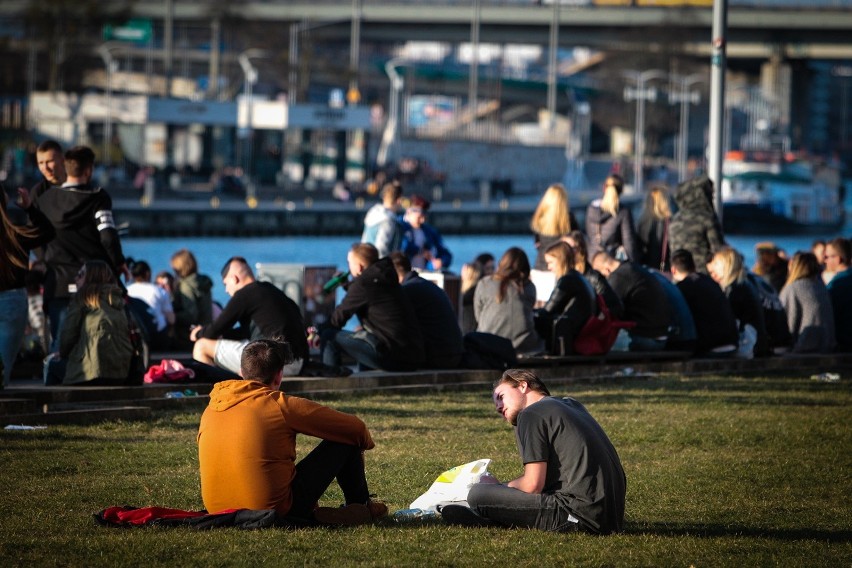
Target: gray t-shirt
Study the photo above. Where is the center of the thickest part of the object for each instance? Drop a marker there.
(584, 472)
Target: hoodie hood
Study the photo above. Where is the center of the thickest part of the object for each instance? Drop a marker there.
(695, 194)
(381, 273)
(227, 394)
(378, 214)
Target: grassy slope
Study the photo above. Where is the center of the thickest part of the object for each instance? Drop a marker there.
(721, 471)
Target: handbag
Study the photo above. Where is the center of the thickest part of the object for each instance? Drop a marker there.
(598, 334)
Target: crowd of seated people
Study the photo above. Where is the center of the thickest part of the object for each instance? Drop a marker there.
(672, 279)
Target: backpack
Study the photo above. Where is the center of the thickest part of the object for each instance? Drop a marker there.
(599, 333)
(488, 351)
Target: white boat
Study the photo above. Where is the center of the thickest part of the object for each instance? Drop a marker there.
(771, 193)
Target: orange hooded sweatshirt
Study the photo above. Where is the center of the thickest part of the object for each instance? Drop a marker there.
(247, 443)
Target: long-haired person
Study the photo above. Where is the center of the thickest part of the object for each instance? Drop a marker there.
(609, 225)
(16, 242)
(503, 303)
(94, 347)
(573, 301)
(193, 298)
(583, 265)
(652, 229)
(551, 221)
(808, 306)
(727, 268)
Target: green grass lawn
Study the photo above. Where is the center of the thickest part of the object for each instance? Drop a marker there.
(721, 471)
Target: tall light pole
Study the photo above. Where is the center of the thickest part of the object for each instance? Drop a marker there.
(473, 80)
(551, 66)
(640, 94)
(249, 80)
(685, 97)
(110, 65)
(389, 135)
(718, 66)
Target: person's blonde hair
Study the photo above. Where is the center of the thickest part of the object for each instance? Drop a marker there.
(657, 202)
(564, 255)
(803, 265)
(733, 266)
(552, 216)
(613, 186)
(184, 263)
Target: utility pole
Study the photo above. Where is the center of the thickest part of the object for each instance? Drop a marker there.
(684, 97)
(718, 65)
(640, 94)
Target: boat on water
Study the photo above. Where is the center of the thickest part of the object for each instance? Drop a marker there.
(775, 193)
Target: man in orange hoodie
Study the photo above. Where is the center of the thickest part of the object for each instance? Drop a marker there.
(247, 447)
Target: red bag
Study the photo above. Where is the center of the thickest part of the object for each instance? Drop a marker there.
(599, 333)
(169, 371)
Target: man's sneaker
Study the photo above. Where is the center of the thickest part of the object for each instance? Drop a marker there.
(464, 516)
(347, 515)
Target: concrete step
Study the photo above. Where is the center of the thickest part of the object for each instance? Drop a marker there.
(15, 405)
(80, 416)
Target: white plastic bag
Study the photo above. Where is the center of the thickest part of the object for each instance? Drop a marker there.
(452, 486)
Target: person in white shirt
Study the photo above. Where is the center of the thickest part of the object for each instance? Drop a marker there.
(157, 300)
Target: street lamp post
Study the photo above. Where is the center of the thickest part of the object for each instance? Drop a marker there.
(640, 94)
(110, 65)
(685, 97)
(249, 80)
(389, 134)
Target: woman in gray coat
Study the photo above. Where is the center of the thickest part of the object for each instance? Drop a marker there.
(609, 226)
(809, 313)
(503, 303)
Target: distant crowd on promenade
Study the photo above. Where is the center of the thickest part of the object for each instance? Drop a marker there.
(665, 282)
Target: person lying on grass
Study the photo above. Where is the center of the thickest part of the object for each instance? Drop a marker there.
(572, 480)
(247, 447)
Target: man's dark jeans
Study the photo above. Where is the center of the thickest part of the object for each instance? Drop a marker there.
(514, 508)
(362, 346)
(329, 460)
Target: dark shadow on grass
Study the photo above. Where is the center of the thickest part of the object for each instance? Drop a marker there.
(715, 531)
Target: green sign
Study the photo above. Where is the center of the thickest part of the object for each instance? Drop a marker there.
(136, 31)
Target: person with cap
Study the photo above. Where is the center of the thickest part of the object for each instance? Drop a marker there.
(421, 242)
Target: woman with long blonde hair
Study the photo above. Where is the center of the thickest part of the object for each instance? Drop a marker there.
(551, 221)
(16, 242)
(810, 316)
(727, 268)
(503, 302)
(610, 226)
(94, 346)
(652, 230)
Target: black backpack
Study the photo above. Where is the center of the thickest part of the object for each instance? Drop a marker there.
(488, 351)
(774, 315)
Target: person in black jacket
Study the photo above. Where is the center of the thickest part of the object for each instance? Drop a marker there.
(715, 323)
(572, 302)
(389, 338)
(645, 301)
(262, 312)
(443, 345)
(610, 226)
(81, 213)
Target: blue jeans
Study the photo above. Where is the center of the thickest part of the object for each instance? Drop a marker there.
(327, 462)
(57, 308)
(14, 312)
(514, 508)
(362, 346)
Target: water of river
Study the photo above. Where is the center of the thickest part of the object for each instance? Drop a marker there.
(331, 251)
